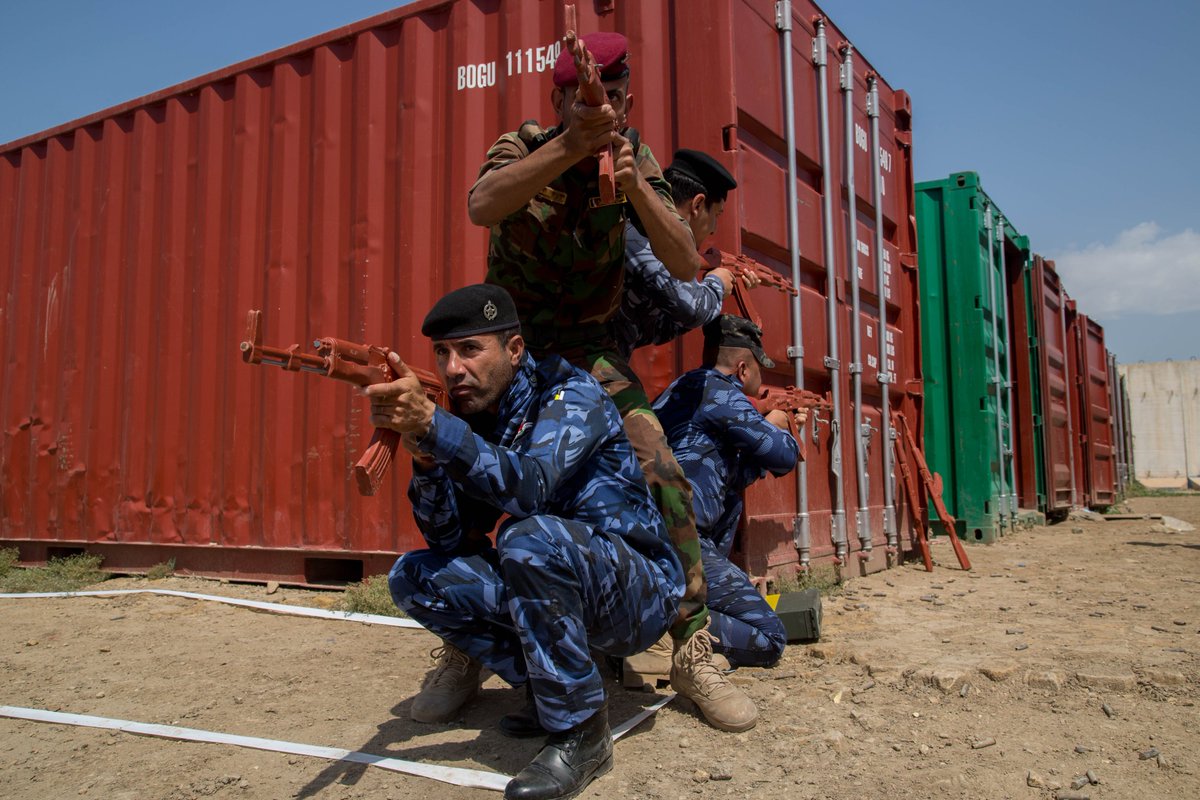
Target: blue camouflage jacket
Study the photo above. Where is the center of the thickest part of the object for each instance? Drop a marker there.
(557, 447)
(657, 308)
(723, 444)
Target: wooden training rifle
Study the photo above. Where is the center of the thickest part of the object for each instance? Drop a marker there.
(359, 364)
(906, 452)
(790, 400)
(591, 92)
(739, 265)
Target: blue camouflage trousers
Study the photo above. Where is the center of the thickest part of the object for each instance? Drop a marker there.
(747, 629)
(535, 606)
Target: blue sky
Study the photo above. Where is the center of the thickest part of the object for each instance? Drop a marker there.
(1080, 116)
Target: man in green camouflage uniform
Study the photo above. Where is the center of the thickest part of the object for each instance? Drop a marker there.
(560, 253)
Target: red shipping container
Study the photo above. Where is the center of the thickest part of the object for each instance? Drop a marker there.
(1079, 470)
(1058, 391)
(326, 184)
(1094, 468)
(1028, 433)
(1098, 446)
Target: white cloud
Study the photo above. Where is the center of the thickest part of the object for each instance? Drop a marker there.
(1142, 271)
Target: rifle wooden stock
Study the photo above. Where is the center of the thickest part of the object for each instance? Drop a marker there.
(591, 92)
(359, 364)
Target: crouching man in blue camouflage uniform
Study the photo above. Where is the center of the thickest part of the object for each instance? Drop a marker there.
(724, 444)
(583, 562)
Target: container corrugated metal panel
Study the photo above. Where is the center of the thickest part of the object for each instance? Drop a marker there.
(1095, 471)
(1098, 446)
(1028, 386)
(767, 537)
(1051, 352)
(326, 183)
(1078, 401)
(965, 340)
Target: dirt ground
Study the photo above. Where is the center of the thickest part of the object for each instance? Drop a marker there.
(989, 684)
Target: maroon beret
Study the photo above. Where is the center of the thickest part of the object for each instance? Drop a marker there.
(611, 51)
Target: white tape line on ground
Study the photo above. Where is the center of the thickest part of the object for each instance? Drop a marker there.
(631, 723)
(274, 608)
(475, 779)
(278, 608)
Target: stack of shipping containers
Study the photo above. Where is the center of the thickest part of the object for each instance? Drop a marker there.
(1023, 409)
(967, 248)
(326, 184)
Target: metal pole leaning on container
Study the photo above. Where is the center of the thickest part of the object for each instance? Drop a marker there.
(1010, 453)
(862, 517)
(801, 525)
(884, 376)
(996, 380)
(838, 523)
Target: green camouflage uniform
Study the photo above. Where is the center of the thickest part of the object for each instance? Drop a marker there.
(563, 261)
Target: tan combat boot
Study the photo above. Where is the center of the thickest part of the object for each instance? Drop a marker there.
(648, 667)
(696, 677)
(454, 681)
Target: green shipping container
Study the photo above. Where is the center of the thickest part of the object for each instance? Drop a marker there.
(966, 251)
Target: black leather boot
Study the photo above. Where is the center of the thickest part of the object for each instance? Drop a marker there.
(568, 763)
(523, 724)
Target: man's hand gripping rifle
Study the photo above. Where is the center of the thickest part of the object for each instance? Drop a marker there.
(592, 93)
(796, 403)
(359, 364)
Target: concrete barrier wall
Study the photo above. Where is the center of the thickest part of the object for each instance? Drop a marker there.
(1164, 404)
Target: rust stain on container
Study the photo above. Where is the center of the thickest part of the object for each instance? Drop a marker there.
(326, 184)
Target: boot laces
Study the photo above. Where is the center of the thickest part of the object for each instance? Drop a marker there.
(697, 658)
(452, 667)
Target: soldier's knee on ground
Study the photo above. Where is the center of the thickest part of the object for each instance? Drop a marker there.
(775, 645)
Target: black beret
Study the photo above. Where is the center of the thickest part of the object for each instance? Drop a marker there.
(471, 310)
(730, 331)
(703, 168)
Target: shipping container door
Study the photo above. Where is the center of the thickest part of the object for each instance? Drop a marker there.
(1053, 354)
(1098, 447)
